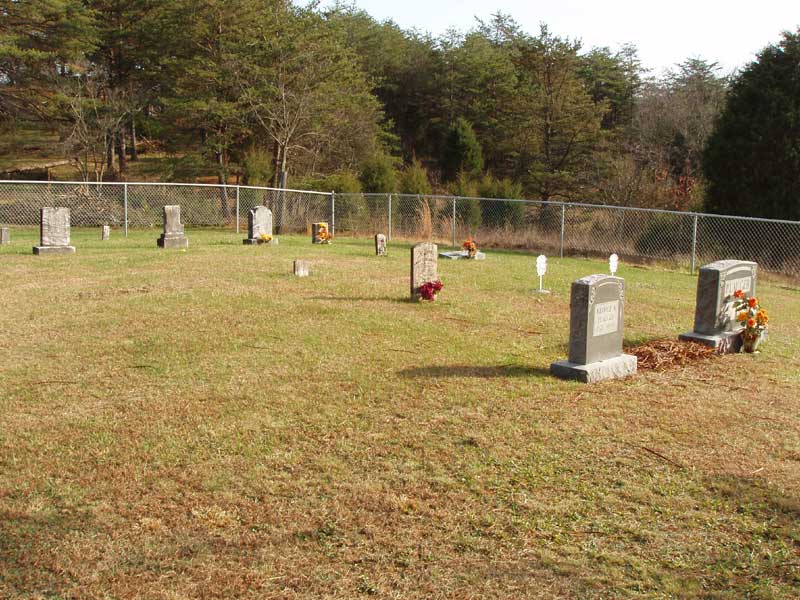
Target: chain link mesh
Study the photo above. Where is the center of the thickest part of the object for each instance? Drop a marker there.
(557, 228)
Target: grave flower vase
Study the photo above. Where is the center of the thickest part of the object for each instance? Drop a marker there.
(751, 342)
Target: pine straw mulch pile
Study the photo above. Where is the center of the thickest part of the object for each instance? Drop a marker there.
(660, 355)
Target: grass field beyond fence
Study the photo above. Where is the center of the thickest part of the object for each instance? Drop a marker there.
(202, 424)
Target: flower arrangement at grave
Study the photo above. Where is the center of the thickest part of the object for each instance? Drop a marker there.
(753, 319)
(264, 239)
(429, 289)
(323, 235)
(470, 246)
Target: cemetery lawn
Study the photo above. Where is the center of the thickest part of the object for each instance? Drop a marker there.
(202, 424)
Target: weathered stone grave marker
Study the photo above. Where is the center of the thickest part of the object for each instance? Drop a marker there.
(301, 268)
(715, 322)
(259, 226)
(424, 266)
(54, 232)
(5, 236)
(597, 310)
(105, 233)
(173, 236)
(380, 245)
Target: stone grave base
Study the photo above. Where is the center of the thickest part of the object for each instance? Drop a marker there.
(723, 343)
(613, 368)
(180, 241)
(41, 250)
(256, 242)
(463, 254)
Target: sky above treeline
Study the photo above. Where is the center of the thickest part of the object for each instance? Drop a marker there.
(666, 33)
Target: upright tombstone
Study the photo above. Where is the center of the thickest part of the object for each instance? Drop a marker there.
(259, 226)
(424, 266)
(715, 322)
(54, 232)
(301, 268)
(320, 234)
(173, 236)
(5, 236)
(380, 245)
(597, 310)
(105, 233)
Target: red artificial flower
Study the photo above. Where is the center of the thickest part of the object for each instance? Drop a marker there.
(738, 294)
(752, 302)
(429, 289)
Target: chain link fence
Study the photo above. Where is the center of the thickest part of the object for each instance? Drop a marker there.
(685, 239)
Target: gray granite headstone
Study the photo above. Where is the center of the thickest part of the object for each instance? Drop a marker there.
(105, 233)
(715, 322)
(259, 223)
(316, 230)
(380, 245)
(173, 236)
(301, 268)
(597, 311)
(5, 236)
(54, 232)
(424, 266)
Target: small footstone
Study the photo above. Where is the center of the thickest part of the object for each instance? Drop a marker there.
(105, 233)
(301, 268)
(5, 236)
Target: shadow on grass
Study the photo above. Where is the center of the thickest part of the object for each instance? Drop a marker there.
(477, 371)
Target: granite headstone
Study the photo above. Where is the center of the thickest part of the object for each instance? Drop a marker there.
(715, 322)
(597, 310)
(259, 224)
(424, 266)
(54, 232)
(173, 236)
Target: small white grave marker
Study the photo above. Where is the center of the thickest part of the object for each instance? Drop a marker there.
(613, 264)
(541, 269)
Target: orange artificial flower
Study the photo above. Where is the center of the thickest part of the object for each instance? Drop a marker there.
(752, 302)
(742, 316)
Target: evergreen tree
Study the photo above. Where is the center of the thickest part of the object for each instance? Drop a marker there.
(378, 175)
(752, 160)
(462, 151)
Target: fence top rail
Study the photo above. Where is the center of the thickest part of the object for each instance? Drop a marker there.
(434, 196)
(156, 183)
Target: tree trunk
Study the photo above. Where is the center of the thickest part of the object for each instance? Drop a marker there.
(120, 149)
(109, 154)
(134, 151)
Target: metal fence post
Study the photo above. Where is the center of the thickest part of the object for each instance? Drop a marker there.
(333, 213)
(237, 208)
(454, 222)
(694, 246)
(125, 205)
(390, 217)
(563, 227)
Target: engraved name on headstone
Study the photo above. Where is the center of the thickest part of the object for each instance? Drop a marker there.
(259, 223)
(173, 236)
(424, 266)
(715, 322)
(380, 245)
(597, 311)
(54, 232)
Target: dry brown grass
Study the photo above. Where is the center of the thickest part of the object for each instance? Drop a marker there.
(204, 425)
